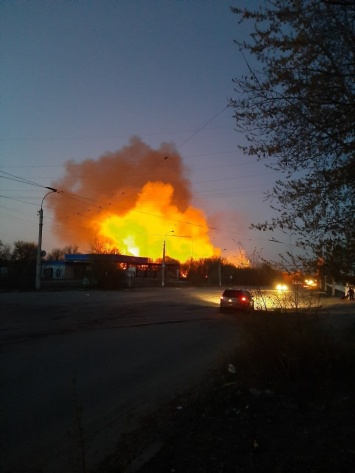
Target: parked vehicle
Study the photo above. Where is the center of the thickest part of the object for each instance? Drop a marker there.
(236, 299)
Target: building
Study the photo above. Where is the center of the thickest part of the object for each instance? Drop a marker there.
(84, 269)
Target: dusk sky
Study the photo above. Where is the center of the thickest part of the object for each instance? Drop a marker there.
(80, 79)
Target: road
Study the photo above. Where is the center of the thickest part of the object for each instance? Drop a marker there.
(82, 367)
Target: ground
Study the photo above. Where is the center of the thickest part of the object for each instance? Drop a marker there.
(235, 429)
(249, 418)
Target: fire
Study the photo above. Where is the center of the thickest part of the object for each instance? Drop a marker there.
(154, 219)
(240, 260)
(133, 200)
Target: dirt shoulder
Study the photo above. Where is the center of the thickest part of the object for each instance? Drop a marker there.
(284, 402)
(251, 430)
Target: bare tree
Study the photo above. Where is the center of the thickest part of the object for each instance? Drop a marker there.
(296, 107)
(24, 251)
(71, 249)
(5, 251)
(103, 246)
(57, 254)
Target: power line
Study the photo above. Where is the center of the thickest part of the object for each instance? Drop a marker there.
(106, 137)
(22, 180)
(203, 126)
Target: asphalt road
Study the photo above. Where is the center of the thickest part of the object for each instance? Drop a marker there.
(82, 367)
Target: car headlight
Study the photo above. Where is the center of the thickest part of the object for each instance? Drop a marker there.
(281, 287)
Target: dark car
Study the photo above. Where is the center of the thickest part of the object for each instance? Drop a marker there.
(237, 299)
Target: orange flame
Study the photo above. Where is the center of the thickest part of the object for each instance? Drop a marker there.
(135, 199)
(155, 219)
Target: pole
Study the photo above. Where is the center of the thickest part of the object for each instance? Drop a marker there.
(39, 250)
(220, 267)
(163, 260)
(39, 247)
(163, 267)
(219, 271)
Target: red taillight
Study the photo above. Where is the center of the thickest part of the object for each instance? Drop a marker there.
(244, 298)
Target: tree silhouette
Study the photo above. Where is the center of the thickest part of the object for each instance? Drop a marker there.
(296, 106)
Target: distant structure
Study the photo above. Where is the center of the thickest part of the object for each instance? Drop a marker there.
(80, 268)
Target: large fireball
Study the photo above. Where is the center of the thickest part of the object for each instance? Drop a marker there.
(136, 198)
(142, 230)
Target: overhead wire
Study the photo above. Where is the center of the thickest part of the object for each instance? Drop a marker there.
(159, 163)
(17, 200)
(101, 206)
(20, 179)
(94, 203)
(203, 126)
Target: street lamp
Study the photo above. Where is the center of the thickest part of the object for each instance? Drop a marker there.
(39, 247)
(219, 267)
(163, 261)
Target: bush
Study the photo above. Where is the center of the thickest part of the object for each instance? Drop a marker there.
(294, 351)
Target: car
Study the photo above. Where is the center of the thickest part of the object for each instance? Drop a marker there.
(237, 299)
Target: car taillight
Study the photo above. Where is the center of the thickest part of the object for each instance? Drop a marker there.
(244, 298)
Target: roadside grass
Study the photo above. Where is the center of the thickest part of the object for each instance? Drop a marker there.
(291, 372)
(295, 351)
(287, 301)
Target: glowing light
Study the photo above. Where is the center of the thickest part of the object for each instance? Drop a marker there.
(132, 249)
(310, 283)
(281, 287)
(139, 231)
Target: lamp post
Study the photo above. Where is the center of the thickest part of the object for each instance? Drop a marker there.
(163, 260)
(39, 247)
(219, 267)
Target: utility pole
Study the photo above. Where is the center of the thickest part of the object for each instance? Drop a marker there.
(163, 260)
(220, 267)
(39, 247)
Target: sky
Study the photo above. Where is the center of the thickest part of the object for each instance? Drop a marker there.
(99, 98)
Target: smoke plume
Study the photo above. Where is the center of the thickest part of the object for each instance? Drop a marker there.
(134, 198)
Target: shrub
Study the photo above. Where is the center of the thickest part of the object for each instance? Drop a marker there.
(294, 351)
